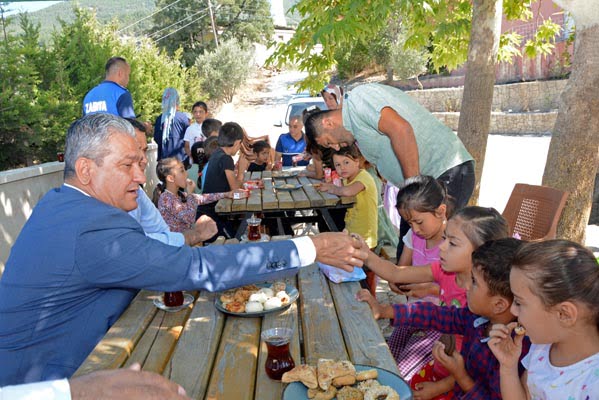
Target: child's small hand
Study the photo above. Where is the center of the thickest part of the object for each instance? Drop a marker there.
(454, 363)
(396, 288)
(326, 187)
(366, 296)
(191, 186)
(419, 290)
(237, 194)
(426, 390)
(506, 350)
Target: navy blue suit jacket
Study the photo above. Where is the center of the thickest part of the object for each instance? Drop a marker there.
(78, 263)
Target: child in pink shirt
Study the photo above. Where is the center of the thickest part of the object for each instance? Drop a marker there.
(464, 232)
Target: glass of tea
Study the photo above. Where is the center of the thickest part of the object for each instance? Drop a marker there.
(254, 229)
(279, 358)
(173, 299)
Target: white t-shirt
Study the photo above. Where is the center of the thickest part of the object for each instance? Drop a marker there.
(578, 381)
(193, 134)
(49, 390)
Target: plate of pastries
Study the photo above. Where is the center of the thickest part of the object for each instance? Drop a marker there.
(342, 380)
(256, 300)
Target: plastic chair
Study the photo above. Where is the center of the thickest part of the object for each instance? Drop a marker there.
(534, 211)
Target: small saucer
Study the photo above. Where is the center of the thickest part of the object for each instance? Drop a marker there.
(263, 238)
(187, 300)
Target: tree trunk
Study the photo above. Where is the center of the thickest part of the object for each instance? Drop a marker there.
(475, 111)
(573, 152)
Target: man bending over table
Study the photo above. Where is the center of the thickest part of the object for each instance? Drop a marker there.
(80, 259)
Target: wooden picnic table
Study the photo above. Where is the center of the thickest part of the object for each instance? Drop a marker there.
(219, 356)
(269, 200)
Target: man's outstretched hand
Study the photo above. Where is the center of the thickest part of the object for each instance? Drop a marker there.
(340, 250)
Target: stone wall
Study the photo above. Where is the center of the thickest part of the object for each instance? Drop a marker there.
(21, 189)
(509, 123)
(516, 97)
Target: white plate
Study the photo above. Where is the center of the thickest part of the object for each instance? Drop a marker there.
(291, 291)
(187, 300)
(263, 238)
(297, 390)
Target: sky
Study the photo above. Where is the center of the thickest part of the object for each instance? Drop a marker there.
(14, 7)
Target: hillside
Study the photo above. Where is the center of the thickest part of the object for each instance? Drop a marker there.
(106, 10)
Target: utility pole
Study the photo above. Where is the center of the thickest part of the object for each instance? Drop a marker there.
(213, 24)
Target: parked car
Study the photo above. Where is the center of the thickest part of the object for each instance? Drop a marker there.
(296, 106)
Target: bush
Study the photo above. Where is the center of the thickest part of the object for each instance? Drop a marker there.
(225, 69)
(43, 86)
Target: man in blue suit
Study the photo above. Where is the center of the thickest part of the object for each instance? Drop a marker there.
(80, 259)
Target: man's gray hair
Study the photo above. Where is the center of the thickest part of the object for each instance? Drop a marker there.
(88, 137)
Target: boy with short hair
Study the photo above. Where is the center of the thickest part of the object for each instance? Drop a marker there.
(211, 127)
(193, 133)
(221, 174)
(489, 301)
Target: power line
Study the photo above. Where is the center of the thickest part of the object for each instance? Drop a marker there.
(157, 33)
(184, 26)
(146, 17)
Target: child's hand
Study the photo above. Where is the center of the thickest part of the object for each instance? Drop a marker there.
(241, 194)
(454, 363)
(419, 290)
(396, 288)
(191, 186)
(366, 296)
(325, 187)
(506, 350)
(426, 390)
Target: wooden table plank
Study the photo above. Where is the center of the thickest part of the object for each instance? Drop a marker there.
(254, 202)
(321, 330)
(223, 205)
(285, 200)
(329, 199)
(300, 198)
(239, 205)
(314, 196)
(234, 370)
(191, 363)
(365, 342)
(154, 349)
(118, 343)
(269, 198)
(266, 388)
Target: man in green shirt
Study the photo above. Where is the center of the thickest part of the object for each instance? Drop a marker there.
(399, 136)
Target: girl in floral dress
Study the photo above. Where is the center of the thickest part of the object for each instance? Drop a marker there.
(175, 198)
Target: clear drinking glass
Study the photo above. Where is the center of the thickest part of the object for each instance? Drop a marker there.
(254, 228)
(279, 358)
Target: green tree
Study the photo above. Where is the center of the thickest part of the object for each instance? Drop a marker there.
(43, 86)
(187, 24)
(21, 133)
(225, 69)
(573, 158)
(405, 63)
